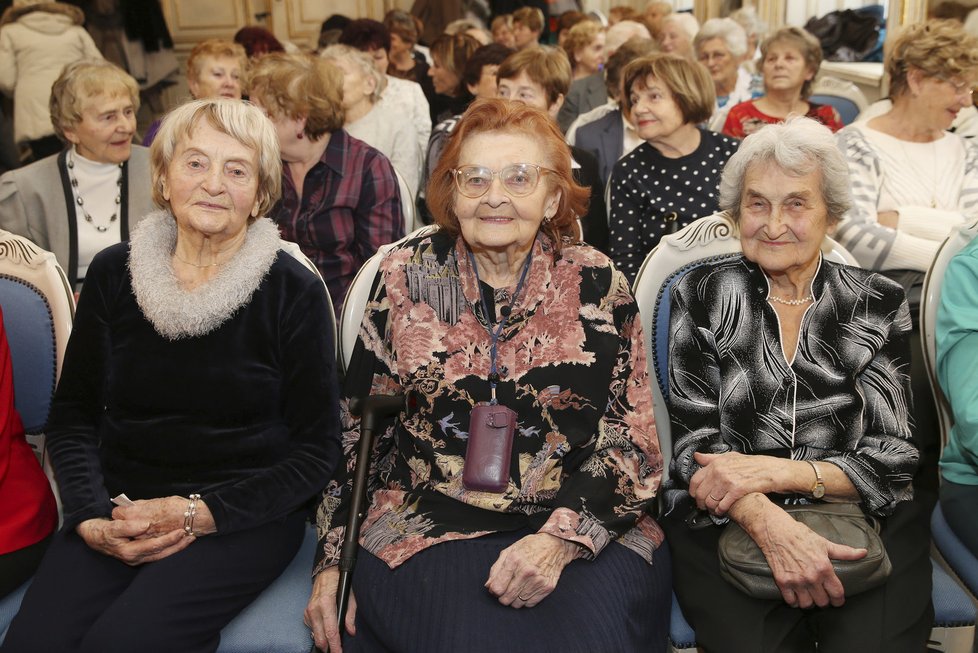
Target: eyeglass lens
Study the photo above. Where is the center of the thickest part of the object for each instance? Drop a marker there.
(519, 179)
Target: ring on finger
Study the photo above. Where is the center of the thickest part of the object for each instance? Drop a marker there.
(522, 598)
(717, 499)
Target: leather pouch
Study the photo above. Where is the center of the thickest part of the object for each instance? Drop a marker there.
(490, 448)
(743, 565)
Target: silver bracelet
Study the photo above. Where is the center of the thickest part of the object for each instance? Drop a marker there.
(189, 514)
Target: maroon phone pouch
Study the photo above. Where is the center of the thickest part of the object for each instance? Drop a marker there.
(490, 448)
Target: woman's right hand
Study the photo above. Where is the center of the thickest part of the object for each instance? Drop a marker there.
(320, 613)
(126, 540)
(800, 559)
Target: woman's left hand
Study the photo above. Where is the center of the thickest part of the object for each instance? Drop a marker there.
(527, 571)
(725, 478)
(166, 514)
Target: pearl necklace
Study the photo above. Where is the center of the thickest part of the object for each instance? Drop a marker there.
(790, 302)
(81, 201)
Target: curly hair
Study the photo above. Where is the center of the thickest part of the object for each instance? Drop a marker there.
(938, 48)
(580, 36)
(83, 81)
(496, 115)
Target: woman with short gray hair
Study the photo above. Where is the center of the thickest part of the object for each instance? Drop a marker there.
(720, 45)
(789, 384)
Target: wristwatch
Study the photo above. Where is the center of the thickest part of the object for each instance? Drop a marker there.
(818, 489)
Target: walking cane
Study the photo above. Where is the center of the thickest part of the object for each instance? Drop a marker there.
(373, 409)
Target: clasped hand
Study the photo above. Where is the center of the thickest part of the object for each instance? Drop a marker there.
(723, 479)
(800, 558)
(147, 531)
(525, 573)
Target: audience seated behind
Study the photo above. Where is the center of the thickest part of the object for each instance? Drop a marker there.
(790, 60)
(605, 131)
(670, 180)
(90, 195)
(721, 45)
(215, 68)
(540, 77)
(401, 97)
(372, 122)
(37, 40)
(340, 198)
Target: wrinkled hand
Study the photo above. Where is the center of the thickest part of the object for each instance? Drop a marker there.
(164, 515)
(725, 478)
(127, 540)
(527, 571)
(320, 615)
(800, 559)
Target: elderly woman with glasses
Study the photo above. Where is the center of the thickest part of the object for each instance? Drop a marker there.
(912, 180)
(518, 343)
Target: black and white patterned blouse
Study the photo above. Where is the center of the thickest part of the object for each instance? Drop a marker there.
(648, 190)
(844, 398)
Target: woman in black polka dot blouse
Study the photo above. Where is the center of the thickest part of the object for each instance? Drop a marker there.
(670, 180)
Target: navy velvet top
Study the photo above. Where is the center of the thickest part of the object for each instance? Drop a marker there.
(246, 415)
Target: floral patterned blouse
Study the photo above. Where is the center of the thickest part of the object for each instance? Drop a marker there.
(585, 465)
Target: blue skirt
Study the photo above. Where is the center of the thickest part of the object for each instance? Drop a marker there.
(436, 602)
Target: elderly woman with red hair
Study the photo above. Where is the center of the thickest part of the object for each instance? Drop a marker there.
(502, 318)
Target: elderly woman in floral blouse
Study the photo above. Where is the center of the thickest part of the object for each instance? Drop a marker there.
(502, 311)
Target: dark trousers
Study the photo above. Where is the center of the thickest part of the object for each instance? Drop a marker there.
(893, 618)
(958, 505)
(84, 601)
(17, 566)
(436, 602)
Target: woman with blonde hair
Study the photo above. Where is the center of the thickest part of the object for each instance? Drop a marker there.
(912, 180)
(89, 196)
(584, 46)
(196, 414)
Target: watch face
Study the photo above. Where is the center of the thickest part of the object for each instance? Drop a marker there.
(818, 492)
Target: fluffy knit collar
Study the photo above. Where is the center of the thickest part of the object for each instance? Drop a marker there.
(177, 313)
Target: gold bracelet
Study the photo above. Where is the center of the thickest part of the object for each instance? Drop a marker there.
(189, 514)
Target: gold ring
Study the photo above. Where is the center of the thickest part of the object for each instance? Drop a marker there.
(715, 498)
(520, 597)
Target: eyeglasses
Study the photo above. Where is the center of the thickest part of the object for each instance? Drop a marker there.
(960, 87)
(519, 179)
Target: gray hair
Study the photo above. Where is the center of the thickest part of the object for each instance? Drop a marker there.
(242, 121)
(684, 21)
(725, 29)
(747, 18)
(360, 59)
(622, 31)
(798, 146)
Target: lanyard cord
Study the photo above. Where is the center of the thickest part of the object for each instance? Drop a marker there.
(494, 334)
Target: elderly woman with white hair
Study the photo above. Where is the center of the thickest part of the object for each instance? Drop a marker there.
(789, 384)
(374, 123)
(721, 46)
(197, 411)
(676, 36)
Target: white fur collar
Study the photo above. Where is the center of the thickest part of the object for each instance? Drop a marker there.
(177, 313)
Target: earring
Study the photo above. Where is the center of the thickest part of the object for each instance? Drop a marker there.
(299, 136)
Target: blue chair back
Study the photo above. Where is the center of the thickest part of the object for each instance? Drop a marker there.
(33, 352)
